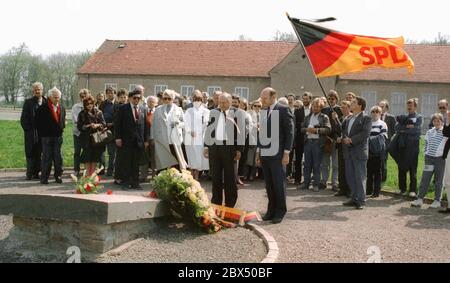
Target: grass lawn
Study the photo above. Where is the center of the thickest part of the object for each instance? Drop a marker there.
(12, 153)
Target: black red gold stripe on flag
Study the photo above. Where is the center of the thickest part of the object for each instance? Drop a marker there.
(332, 52)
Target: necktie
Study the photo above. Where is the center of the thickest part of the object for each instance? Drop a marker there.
(136, 113)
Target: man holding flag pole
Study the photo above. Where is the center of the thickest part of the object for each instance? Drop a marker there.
(331, 53)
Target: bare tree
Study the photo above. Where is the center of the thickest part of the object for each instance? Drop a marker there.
(284, 36)
(243, 37)
(441, 39)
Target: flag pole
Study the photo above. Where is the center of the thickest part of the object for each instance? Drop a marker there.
(312, 68)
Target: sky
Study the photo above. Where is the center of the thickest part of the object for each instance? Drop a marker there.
(50, 26)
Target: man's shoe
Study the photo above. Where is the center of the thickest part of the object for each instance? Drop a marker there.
(302, 187)
(349, 203)
(102, 172)
(359, 206)
(374, 196)
(412, 194)
(267, 217)
(44, 182)
(435, 204)
(36, 177)
(417, 203)
(335, 189)
(277, 220)
(316, 188)
(445, 211)
(28, 178)
(58, 180)
(339, 193)
(322, 186)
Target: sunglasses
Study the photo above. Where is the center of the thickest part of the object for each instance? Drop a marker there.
(167, 99)
(375, 112)
(257, 106)
(137, 97)
(442, 108)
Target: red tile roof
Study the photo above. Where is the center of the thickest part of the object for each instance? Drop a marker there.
(190, 58)
(432, 65)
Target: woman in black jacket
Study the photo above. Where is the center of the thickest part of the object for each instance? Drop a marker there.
(90, 120)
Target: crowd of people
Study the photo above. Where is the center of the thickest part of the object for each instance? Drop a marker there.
(319, 142)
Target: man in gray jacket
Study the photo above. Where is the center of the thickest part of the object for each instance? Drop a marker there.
(355, 141)
(316, 128)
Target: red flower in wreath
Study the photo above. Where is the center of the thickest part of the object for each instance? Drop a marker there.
(109, 192)
(88, 188)
(153, 194)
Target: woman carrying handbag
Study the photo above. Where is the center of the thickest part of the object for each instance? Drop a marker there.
(90, 121)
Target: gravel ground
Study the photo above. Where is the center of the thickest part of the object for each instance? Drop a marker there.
(317, 228)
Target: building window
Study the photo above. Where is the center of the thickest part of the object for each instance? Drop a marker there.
(242, 92)
(113, 85)
(132, 87)
(187, 90)
(212, 89)
(371, 99)
(398, 103)
(428, 104)
(160, 88)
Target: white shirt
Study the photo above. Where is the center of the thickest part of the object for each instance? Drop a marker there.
(220, 130)
(307, 110)
(351, 121)
(314, 121)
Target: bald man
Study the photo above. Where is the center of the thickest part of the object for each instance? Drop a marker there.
(224, 144)
(273, 154)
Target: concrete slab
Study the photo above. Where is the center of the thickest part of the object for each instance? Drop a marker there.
(51, 223)
(89, 209)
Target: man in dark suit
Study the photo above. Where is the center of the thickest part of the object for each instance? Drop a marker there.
(355, 145)
(33, 144)
(224, 144)
(51, 121)
(299, 115)
(131, 134)
(274, 146)
(390, 121)
(107, 108)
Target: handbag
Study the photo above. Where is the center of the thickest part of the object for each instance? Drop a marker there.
(328, 145)
(102, 137)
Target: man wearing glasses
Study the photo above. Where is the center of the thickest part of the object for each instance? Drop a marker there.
(330, 156)
(132, 134)
(443, 109)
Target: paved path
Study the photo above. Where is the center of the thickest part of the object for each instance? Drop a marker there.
(317, 228)
(14, 115)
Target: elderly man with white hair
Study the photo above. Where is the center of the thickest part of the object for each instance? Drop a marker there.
(51, 121)
(33, 145)
(167, 131)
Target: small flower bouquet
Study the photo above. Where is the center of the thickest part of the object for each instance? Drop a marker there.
(88, 184)
(188, 199)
